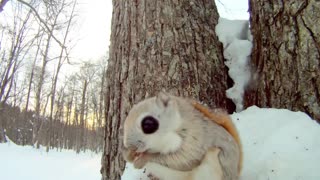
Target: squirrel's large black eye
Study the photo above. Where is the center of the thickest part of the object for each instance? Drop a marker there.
(149, 125)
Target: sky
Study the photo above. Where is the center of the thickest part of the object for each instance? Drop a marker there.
(94, 29)
(95, 25)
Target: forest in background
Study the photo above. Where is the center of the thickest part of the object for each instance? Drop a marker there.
(48, 97)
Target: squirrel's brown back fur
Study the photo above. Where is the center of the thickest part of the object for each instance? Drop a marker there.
(224, 120)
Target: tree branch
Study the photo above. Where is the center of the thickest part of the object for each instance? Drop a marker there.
(41, 20)
(2, 4)
(43, 23)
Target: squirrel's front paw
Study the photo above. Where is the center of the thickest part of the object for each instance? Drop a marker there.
(140, 160)
(128, 154)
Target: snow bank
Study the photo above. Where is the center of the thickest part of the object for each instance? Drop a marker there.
(130, 173)
(25, 162)
(278, 144)
(236, 39)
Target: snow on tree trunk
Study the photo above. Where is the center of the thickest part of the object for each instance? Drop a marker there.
(159, 45)
(286, 55)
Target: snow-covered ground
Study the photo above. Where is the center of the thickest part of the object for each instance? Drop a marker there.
(278, 144)
(25, 162)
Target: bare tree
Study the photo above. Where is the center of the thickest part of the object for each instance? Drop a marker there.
(61, 58)
(48, 29)
(71, 91)
(33, 66)
(19, 46)
(286, 55)
(53, 12)
(53, 6)
(97, 99)
(87, 72)
(11, 60)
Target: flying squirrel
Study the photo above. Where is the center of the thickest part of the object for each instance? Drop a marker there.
(177, 138)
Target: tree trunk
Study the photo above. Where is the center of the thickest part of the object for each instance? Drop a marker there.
(38, 94)
(82, 112)
(159, 45)
(31, 79)
(39, 40)
(2, 129)
(101, 99)
(286, 55)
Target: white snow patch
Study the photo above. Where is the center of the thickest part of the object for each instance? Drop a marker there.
(278, 144)
(237, 57)
(236, 39)
(232, 9)
(25, 162)
(130, 173)
(229, 30)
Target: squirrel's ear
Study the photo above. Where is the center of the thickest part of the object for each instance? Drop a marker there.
(163, 99)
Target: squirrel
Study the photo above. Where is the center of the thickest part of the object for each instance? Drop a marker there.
(178, 138)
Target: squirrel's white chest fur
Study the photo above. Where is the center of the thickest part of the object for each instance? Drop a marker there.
(209, 169)
(170, 142)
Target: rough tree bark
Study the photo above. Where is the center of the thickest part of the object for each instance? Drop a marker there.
(158, 45)
(286, 55)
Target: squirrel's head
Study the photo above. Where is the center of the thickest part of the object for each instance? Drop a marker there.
(151, 125)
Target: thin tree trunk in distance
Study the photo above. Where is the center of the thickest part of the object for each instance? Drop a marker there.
(33, 69)
(82, 112)
(286, 55)
(2, 130)
(159, 45)
(101, 99)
